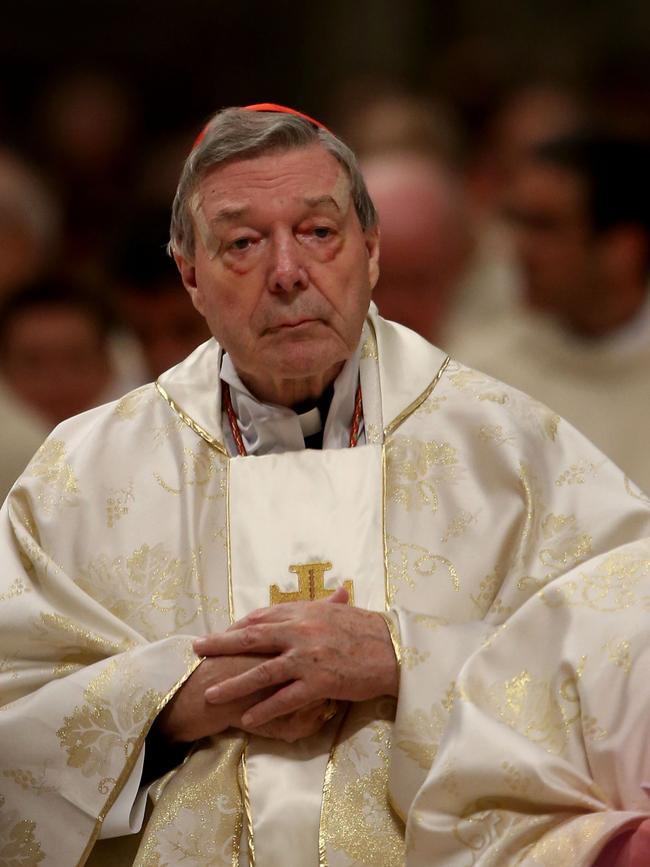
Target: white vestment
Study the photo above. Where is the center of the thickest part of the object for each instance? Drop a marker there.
(602, 386)
(546, 755)
(132, 531)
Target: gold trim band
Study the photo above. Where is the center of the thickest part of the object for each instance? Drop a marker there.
(395, 638)
(410, 409)
(189, 421)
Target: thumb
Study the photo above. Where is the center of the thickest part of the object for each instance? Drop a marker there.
(340, 595)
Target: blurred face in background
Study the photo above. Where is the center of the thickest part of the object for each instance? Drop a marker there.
(55, 360)
(555, 245)
(166, 324)
(425, 239)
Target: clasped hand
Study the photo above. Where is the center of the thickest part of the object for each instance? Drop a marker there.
(271, 672)
(314, 651)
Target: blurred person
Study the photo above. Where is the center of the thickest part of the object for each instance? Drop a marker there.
(528, 114)
(87, 124)
(580, 208)
(379, 120)
(425, 239)
(54, 352)
(21, 433)
(29, 223)
(153, 303)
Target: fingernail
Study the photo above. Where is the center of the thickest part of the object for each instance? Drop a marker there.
(247, 719)
(199, 645)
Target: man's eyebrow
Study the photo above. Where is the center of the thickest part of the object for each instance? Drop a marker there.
(229, 214)
(315, 201)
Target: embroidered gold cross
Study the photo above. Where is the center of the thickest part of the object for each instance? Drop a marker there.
(311, 585)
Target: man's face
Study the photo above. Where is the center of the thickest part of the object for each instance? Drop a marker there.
(56, 361)
(554, 243)
(166, 324)
(282, 269)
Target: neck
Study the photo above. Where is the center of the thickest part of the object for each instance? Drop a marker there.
(292, 392)
(615, 311)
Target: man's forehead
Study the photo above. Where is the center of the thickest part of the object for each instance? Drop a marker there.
(309, 177)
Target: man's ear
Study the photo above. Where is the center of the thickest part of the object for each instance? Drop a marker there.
(188, 276)
(372, 246)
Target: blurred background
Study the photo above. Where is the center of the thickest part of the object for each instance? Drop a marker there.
(496, 247)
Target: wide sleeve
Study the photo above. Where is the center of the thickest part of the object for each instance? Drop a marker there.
(546, 754)
(491, 497)
(79, 690)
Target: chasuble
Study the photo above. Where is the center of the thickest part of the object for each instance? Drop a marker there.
(557, 733)
(132, 531)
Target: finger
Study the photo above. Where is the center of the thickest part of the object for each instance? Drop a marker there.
(340, 596)
(290, 698)
(269, 673)
(274, 613)
(264, 638)
(302, 723)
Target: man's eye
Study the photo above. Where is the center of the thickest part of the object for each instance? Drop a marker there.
(240, 244)
(322, 231)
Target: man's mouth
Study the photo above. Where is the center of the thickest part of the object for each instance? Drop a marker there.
(292, 324)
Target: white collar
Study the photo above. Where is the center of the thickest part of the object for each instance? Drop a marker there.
(267, 428)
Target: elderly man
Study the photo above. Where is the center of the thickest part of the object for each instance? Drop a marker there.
(245, 591)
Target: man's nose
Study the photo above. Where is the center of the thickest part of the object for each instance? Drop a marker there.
(288, 272)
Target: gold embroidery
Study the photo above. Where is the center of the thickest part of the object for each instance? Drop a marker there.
(432, 404)
(609, 586)
(17, 588)
(79, 645)
(19, 846)
(458, 525)
(407, 562)
(369, 348)
(618, 652)
(536, 417)
(479, 386)
(96, 731)
(412, 657)
(374, 434)
(127, 407)
(149, 583)
(59, 484)
(420, 734)
(163, 433)
(556, 538)
(533, 708)
(563, 846)
(416, 469)
(515, 780)
(577, 473)
(311, 585)
(197, 817)
(117, 504)
(487, 598)
(357, 819)
(494, 433)
(431, 621)
(27, 781)
(198, 470)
